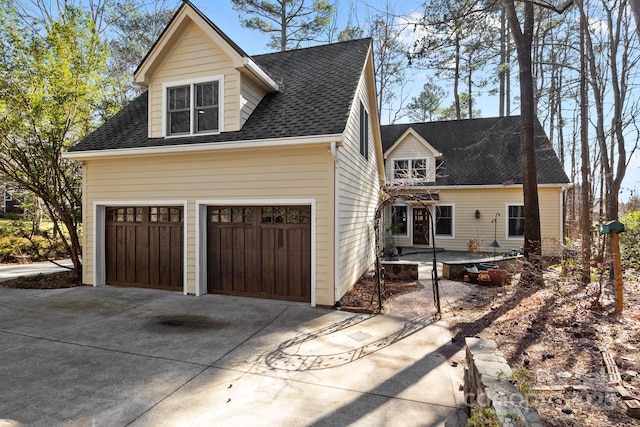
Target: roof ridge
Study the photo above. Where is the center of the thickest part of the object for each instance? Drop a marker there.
(451, 121)
(319, 46)
(187, 3)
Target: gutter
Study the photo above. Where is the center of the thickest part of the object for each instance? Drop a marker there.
(204, 147)
(259, 72)
(336, 222)
(476, 187)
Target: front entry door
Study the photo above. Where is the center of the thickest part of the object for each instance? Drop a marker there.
(420, 226)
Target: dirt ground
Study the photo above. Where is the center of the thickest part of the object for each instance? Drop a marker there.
(561, 333)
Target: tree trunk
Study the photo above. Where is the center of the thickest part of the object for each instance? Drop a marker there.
(283, 27)
(635, 8)
(503, 60)
(532, 236)
(585, 207)
(456, 79)
(470, 98)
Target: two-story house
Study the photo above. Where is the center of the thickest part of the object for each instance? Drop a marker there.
(236, 174)
(466, 176)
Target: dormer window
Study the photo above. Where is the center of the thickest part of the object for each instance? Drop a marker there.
(193, 107)
(410, 169)
(419, 169)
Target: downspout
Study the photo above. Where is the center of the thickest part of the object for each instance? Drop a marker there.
(562, 192)
(336, 221)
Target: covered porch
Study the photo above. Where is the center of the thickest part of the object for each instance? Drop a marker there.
(409, 222)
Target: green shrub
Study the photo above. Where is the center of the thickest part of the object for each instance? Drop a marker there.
(630, 240)
(19, 243)
(483, 417)
(11, 247)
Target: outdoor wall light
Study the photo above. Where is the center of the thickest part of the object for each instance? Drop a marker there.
(477, 214)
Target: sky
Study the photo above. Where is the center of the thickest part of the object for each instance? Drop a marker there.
(254, 43)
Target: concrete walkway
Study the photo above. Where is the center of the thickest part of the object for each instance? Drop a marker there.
(8, 272)
(112, 356)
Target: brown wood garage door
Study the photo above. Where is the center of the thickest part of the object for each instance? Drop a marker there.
(144, 247)
(260, 251)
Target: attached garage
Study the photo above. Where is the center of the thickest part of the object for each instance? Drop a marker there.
(260, 251)
(144, 247)
(272, 199)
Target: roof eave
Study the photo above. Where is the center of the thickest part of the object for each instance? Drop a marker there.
(260, 74)
(163, 150)
(188, 11)
(419, 138)
(490, 186)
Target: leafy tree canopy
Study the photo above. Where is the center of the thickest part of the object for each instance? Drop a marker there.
(426, 106)
(52, 93)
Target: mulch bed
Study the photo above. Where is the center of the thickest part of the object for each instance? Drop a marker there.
(363, 296)
(64, 279)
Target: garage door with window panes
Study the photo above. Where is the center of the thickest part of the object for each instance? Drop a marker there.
(144, 247)
(260, 251)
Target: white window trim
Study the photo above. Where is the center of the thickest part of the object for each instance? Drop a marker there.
(368, 147)
(507, 236)
(410, 161)
(190, 82)
(453, 222)
(409, 211)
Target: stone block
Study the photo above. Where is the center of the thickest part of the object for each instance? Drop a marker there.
(480, 345)
(488, 375)
(400, 270)
(493, 369)
(491, 357)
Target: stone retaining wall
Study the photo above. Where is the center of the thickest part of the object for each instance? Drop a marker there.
(400, 270)
(487, 384)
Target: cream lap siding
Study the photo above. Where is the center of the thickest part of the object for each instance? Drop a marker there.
(87, 224)
(264, 174)
(194, 56)
(358, 194)
(550, 220)
(490, 201)
(250, 97)
(410, 148)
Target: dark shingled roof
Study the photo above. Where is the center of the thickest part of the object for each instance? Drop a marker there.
(482, 151)
(317, 87)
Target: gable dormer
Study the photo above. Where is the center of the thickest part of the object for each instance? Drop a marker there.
(411, 159)
(199, 80)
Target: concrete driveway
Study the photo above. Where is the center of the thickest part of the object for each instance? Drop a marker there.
(113, 356)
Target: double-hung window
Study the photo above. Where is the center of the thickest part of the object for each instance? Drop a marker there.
(364, 132)
(399, 220)
(419, 169)
(444, 220)
(516, 220)
(193, 108)
(413, 169)
(401, 169)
